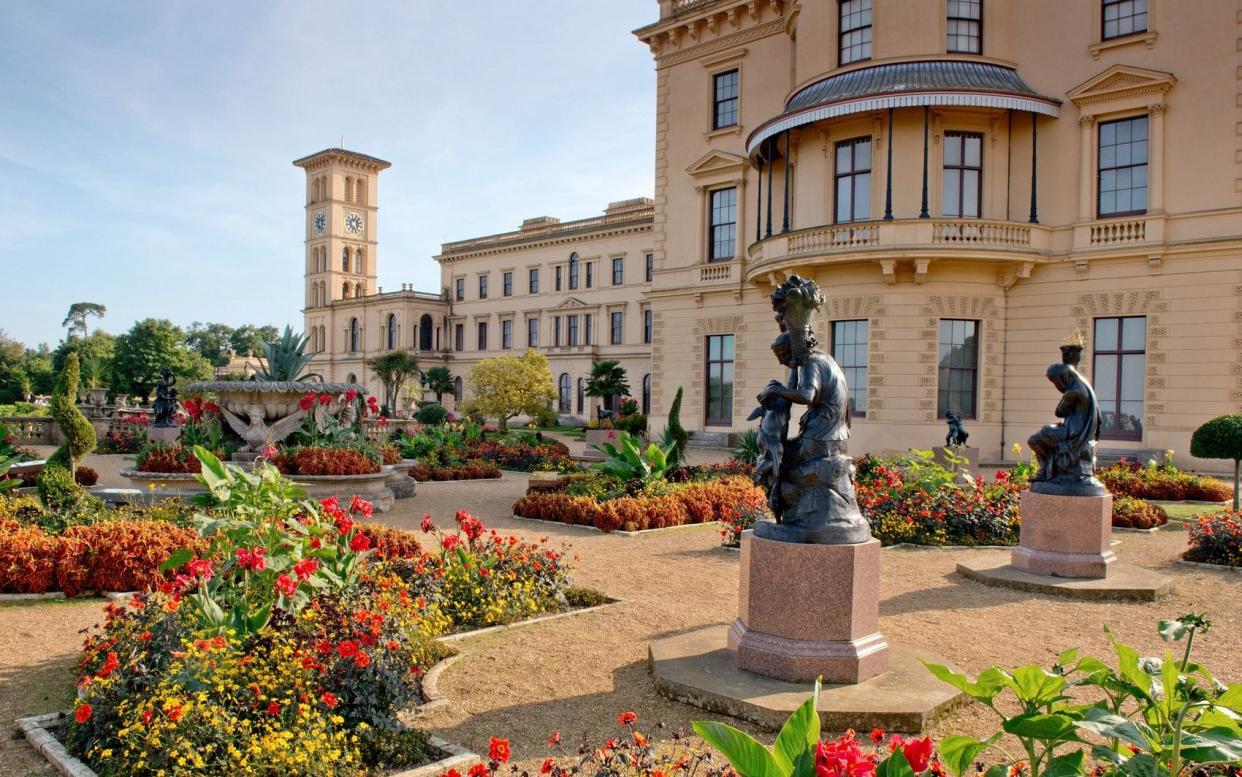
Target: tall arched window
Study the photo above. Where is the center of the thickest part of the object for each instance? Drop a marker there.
(355, 333)
(424, 333)
(352, 378)
(390, 331)
(344, 291)
(564, 396)
(357, 289)
(349, 188)
(362, 191)
(573, 270)
(457, 389)
(344, 260)
(358, 261)
(323, 339)
(581, 395)
(647, 394)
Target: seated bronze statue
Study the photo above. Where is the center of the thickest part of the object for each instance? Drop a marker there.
(1066, 450)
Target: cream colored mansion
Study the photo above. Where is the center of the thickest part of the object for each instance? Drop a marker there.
(967, 180)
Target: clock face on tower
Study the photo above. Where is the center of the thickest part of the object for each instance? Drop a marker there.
(321, 222)
(353, 223)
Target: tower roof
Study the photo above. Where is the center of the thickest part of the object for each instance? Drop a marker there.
(327, 155)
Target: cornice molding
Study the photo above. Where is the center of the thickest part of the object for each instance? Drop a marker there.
(543, 242)
(777, 26)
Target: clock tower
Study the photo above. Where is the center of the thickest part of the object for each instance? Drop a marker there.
(342, 189)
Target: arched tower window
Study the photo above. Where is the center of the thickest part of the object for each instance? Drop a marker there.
(323, 344)
(344, 291)
(362, 191)
(357, 289)
(354, 334)
(358, 261)
(349, 188)
(314, 192)
(344, 260)
(424, 333)
(563, 395)
(390, 332)
(457, 389)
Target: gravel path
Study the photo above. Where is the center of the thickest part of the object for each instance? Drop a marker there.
(574, 675)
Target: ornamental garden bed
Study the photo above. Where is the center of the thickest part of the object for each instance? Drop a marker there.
(468, 451)
(1215, 540)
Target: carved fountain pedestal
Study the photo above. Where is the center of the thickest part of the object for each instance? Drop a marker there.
(793, 627)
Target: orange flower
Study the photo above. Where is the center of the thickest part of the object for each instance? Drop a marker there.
(555, 739)
(626, 718)
(640, 740)
(548, 765)
(82, 713)
(498, 750)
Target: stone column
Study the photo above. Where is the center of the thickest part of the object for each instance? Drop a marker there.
(1086, 165)
(1155, 158)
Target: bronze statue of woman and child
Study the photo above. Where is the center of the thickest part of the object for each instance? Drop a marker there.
(809, 476)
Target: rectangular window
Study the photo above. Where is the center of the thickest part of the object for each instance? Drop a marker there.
(532, 333)
(459, 337)
(556, 331)
(647, 326)
(618, 271)
(1123, 17)
(590, 274)
(963, 175)
(533, 283)
(724, 114)
(616, 332)
(959, 367)
(482, 287)
(854, 33)
(482, 335)
(853, 180)
(1118, 372)
(573, 330)
(719, 380)
(722, 232)
(559, 270)
(650, 267)
(507, 280)
(587, 327)
(849, 348)
(461, 289)
(965, 26)
(1122, 176)
(506, 334)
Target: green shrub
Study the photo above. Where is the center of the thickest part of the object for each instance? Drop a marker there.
(57, 488)
(431, 415)
(78, 432)
(674, 434)
(634, 423)
(577, 596)
(1221, 438)
(747, 449)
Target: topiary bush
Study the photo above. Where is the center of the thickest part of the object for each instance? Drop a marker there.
(674, 433)
(1221, 438)
(431, 415)
(78, 432)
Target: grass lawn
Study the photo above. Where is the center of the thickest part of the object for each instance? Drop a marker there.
(1188, 511)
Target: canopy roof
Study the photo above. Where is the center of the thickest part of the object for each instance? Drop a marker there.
(906, 85)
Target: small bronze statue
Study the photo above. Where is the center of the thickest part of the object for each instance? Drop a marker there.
(1066, 450)
(957, 435)
(165, 406)
(810, 477)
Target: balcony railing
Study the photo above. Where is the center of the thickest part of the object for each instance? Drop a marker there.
(1108, 233)
(715, 272)
(824, 238)
(974, 232)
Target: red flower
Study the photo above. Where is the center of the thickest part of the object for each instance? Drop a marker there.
(478, 770)
(305, 568)
(110, 665)
(362, 660)
(273, 708)
(145, 636)
(498, 750)
(286, 586)
(200, 567)
(174, 712)
(427, 525)
(626, 718)
(251, 559)
(329, 700)
(351, 395)
(918, 753)
(360, 542)
(555, 739)
(344, 524)
(877, 735)
(82, 713)
(359, 505)
(548, 765)
(348, 649)
(452, 773)
(147, 714)
(450, 542)
(307, 402)
(325, 399)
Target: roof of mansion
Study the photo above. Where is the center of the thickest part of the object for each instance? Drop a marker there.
(637, 214)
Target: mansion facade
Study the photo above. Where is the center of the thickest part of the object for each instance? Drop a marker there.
(968, 181)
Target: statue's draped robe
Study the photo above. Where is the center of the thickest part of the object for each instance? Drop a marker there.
(1063, 445)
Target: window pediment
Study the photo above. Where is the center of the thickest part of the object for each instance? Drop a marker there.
(716, 162)
(1121, 82)
(571, 302)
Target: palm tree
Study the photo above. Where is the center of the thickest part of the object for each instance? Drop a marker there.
(439, 381)
(607, 381)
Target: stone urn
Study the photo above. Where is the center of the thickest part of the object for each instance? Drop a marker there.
(97, 396)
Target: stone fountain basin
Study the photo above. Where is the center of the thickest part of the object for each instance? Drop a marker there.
(372, 487)
(277, 398)
(165, 484)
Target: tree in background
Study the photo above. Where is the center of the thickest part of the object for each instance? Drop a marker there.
(213, 341)
(1221, 438)
(248, 340)
(508, 386)
(439, 381)
(12, 368)
(393, 369)
(150, 346)
(95, 349)
(75, 320)
(607, 380)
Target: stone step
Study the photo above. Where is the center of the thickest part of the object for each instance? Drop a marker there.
(720, 440)
(1107, 456)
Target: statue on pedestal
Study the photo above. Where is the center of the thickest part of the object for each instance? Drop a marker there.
(809, 477)
(165, 406)
(1066, 450)
(957, 436)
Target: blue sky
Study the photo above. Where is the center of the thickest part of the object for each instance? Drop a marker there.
(145, 148)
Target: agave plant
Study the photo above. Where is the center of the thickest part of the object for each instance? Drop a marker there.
(628, 461)
(285, 359)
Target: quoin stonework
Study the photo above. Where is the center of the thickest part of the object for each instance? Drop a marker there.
(960, 177)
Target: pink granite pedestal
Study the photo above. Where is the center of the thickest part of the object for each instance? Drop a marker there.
(163, 434)
(809, 610)
(1065, 536)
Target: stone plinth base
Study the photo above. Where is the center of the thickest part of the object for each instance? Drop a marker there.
(696, 668)
(806, 611)
(1124, 581)
(163, 434)
(1065, 536)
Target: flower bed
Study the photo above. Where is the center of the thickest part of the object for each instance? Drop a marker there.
(456, 446)
(682, 504)
(1216, 539)
(1130, 513)
(130, 437)
(169, 459)
(473, 471)
(330, 461)
(911, 499)
(1162, 482)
